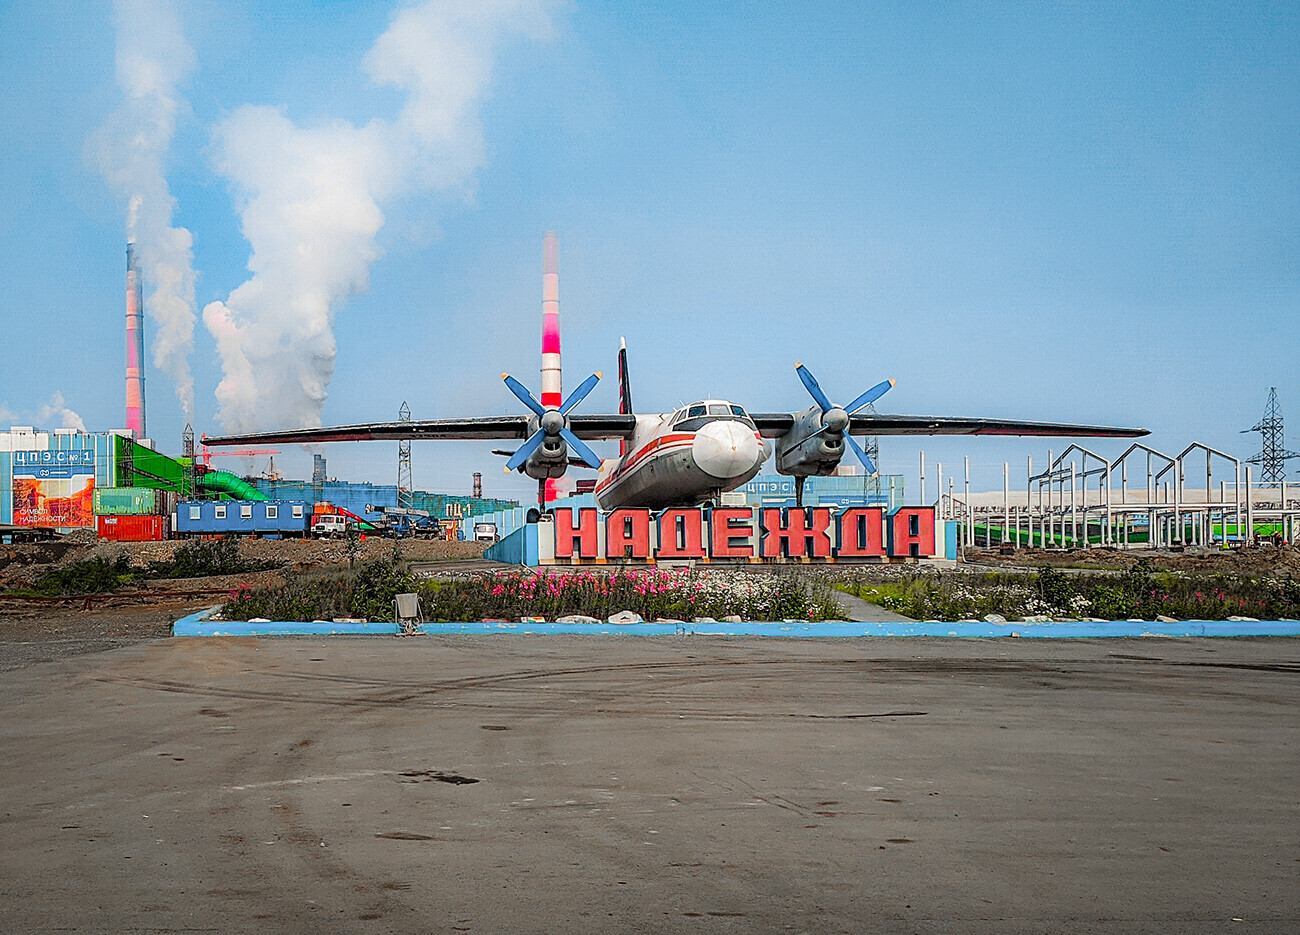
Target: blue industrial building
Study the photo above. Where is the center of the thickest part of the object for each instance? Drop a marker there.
(359, 498)
(836, 490)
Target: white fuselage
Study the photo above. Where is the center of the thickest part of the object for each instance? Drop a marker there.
(683, 458)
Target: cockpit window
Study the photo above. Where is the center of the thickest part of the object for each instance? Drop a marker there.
(695, 410)
(739, 411)
(718, 409)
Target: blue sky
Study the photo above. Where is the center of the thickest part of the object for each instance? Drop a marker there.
(1083, 212)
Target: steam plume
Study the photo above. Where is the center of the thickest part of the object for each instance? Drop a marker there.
(57, 409)
(153, 59)
(311, 200)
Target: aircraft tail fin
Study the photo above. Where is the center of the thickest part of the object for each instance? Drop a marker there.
(624, 389)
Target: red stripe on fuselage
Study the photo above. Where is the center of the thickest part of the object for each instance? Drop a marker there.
(658, 445)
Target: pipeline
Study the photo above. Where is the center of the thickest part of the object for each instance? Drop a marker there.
(227, 483)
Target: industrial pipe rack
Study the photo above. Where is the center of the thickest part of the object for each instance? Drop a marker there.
(1074, 502)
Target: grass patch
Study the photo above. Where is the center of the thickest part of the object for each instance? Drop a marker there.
(1140, 592)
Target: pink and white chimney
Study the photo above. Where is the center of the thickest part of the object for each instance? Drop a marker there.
(134, 345)
(552, 390)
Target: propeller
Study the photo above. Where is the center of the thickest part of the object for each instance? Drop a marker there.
(835, 419)
(551, 422)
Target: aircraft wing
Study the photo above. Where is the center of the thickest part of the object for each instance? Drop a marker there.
(592, 427)
(775, 424)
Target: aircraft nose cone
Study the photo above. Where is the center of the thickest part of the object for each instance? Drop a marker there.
(725, 449)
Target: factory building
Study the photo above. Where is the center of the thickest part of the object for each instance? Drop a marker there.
(361, 498)
(836, 490)
(61, 480)
(48, 479)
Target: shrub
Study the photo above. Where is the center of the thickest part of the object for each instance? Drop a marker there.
(200, 558)
(87, 576)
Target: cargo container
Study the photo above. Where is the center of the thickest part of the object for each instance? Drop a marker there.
(131, 501)
(131, 528)
(288, 518)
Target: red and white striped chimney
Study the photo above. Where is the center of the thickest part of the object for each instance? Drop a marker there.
(552, 391)
(134, 345)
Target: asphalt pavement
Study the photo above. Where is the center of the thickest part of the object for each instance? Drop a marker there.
(653, 784)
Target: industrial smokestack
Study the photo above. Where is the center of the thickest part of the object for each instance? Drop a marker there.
(478, 486)
(552, 391)
(134, 345)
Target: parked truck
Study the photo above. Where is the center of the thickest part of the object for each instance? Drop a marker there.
(329, 525)
(401, 522)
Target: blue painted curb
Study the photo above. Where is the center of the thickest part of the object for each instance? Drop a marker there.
(198, 624)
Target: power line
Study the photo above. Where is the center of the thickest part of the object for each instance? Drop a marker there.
(1273, 455)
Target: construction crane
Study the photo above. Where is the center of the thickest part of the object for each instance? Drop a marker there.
(208, 455)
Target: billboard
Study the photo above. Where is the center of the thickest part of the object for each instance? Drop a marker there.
(54, 488)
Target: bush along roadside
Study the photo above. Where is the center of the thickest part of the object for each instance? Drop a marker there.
(200, 558)
(1139, 593)
(369, 591)
(86, 576)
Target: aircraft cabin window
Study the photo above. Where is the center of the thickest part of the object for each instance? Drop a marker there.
(719, 409)
(695, 411)
(738, 411)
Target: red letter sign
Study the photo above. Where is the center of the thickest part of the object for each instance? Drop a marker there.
(627, 534)
(584, 537)
(912, 532)
(862, 532)
(727, 525)
(797, 533)
(681, 534)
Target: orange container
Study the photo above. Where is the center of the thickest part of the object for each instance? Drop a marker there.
(133, 528)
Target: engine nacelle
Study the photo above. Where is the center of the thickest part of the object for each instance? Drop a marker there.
(802, 453)
(551, 459)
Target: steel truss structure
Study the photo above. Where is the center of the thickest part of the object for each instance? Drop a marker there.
(1083, 500)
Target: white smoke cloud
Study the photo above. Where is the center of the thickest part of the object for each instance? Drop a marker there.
(153, 59)
(311, 201)
(56, 408)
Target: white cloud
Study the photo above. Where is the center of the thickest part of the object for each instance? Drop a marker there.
(56, 408)
(311, 201)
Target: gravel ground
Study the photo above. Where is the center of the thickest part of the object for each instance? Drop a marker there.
(1256, 560)
(34, 631)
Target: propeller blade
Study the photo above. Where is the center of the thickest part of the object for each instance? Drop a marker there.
(870, 396)
(527, 448)
(522, 394)
(576, 444)
(814, 388)
(580, 393)
(862, 455)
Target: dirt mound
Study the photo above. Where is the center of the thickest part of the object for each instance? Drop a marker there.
(22, 564)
